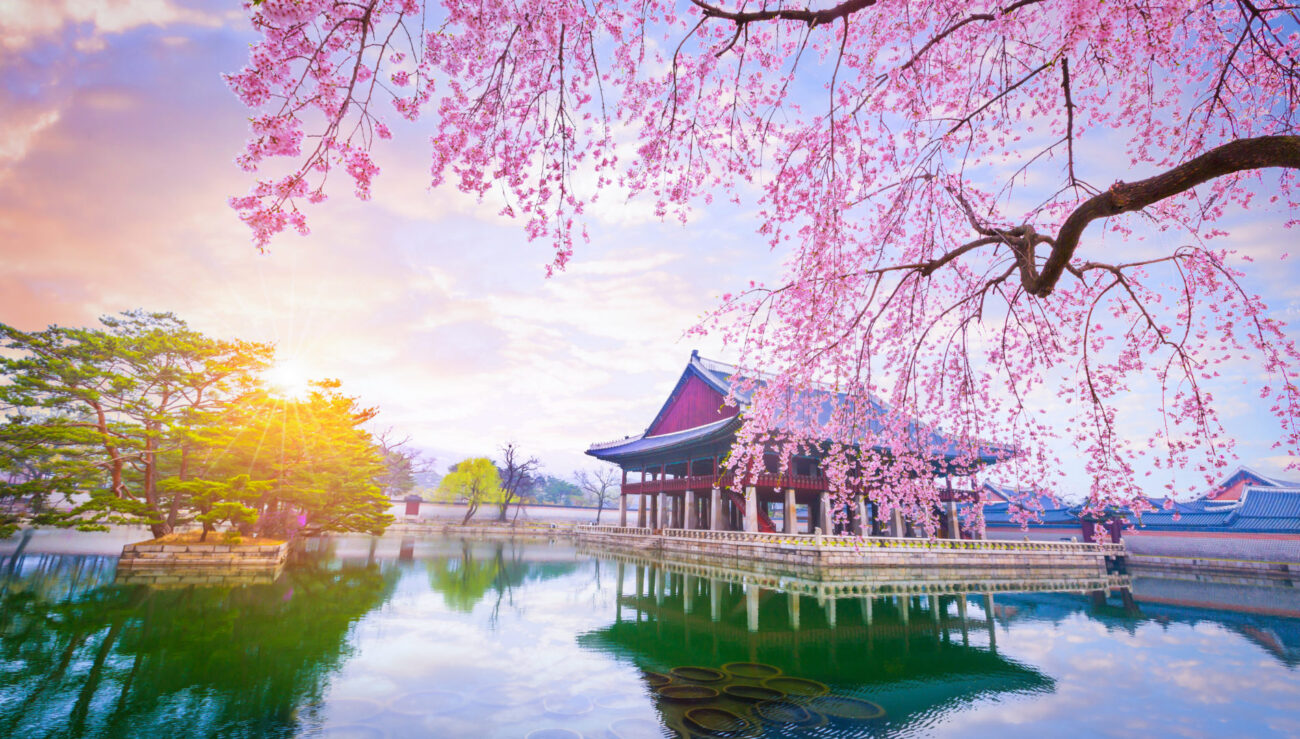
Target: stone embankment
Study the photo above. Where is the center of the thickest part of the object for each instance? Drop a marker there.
(153, 554)
(837, 557)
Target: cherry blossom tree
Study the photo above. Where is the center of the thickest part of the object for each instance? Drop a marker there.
(1000, 218)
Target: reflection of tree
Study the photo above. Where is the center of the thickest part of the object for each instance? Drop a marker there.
(109, 659)
(465, 580)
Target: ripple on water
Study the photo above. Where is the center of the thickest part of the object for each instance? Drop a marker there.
(567, 705)
(553, 734)
(352, 710)
(352, 731)
(427, 703)
(508, 695)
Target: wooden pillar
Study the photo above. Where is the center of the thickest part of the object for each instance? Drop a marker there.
(641, 519)
(824, 506)
(751, 509)
(715, 510)
(791, 512)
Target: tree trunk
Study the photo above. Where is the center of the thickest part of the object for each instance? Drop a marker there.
(469, 513)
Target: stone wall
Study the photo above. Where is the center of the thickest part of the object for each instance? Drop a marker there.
(152, 555)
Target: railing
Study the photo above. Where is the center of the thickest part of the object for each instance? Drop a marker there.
(881, 542)
(805, 483)
(615, 530)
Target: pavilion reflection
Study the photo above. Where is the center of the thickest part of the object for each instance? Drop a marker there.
(913, 647)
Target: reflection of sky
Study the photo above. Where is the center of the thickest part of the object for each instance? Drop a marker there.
(1112, 676)
(1176, 679)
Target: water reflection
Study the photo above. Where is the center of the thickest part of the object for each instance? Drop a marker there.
(463, 638)
(908, 652)
(465, 577)
(85, 656)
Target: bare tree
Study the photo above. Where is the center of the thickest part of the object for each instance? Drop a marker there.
(601, 483)
(517, 476)
(401, 463)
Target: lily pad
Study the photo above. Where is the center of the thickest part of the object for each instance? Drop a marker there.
(845, 707)
(752, 693)
(717, 721)
(796, 686)
(699, 674)
(687, 693)
(751, 670)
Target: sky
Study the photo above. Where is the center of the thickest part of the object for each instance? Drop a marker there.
(117, 142)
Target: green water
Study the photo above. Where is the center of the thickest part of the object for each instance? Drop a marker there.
(436, 637)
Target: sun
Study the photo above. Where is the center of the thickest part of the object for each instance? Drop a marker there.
(289, 378)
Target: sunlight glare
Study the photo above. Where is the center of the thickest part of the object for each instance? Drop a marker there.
(288, 378)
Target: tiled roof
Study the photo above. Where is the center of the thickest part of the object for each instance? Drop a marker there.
(1262, 509)
(720, 376)
(642, 443)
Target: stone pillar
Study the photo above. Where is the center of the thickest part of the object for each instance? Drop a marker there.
(622, 510)
(896, 526)
(618, 594)
(640, 511)
(791, 513)
(751, 606)
(690, 522)
(954, 526)
(661, 584)
(868, 613)
(934, 607)
(665, 511)
(827, 521)
(988, 621)
(715, 510)
(751, 509)
(640, 580)
(830, 611)
(864, 517)
(793, 601)
(688, 593)
(715, 600)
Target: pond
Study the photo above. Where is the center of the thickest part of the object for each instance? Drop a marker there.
(389, 637)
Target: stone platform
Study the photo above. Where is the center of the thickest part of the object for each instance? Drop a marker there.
(154, 555)
(847, 558)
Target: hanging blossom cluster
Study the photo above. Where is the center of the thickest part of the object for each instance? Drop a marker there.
(948, 179)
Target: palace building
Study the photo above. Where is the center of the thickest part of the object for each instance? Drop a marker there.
(676, 469)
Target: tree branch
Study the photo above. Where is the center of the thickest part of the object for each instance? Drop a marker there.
(1123, 197)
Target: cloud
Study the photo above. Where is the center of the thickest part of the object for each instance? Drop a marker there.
(24, 23)
(18, 131)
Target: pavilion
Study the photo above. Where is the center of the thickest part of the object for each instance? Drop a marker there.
(684, 484)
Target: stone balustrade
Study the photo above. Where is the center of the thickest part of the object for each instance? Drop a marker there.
(901, 556)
